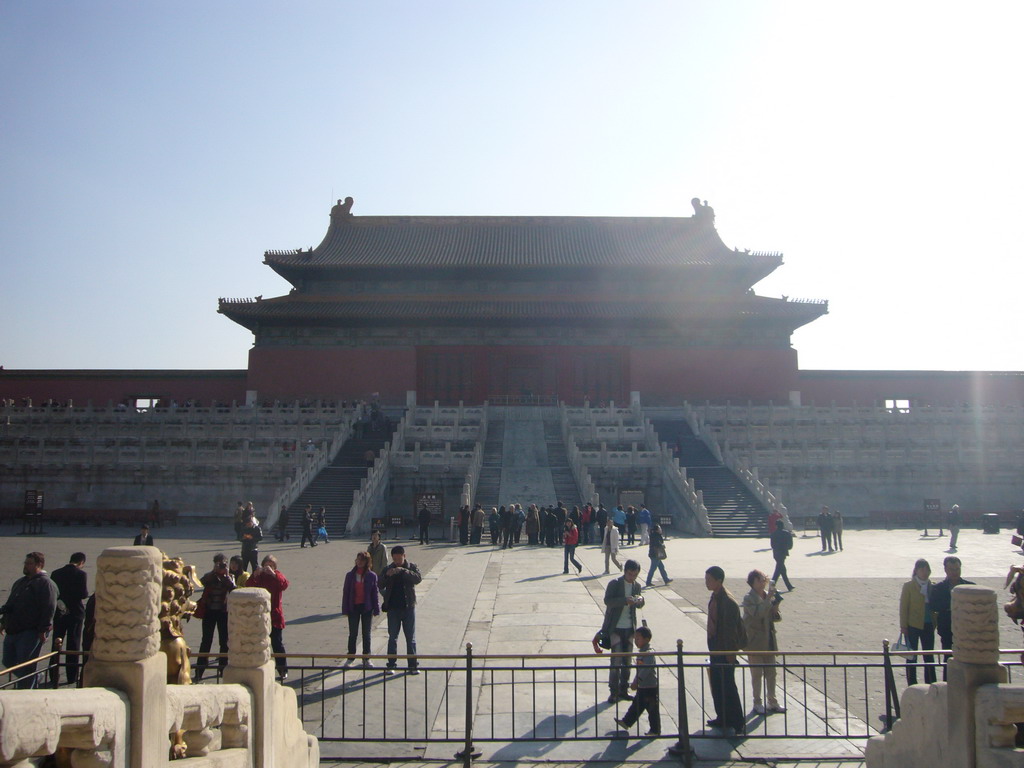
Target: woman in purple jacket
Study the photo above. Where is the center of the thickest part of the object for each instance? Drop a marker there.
(360, 601)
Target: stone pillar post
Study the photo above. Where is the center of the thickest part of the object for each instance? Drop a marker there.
(126, 652)
(250, 664)
(975, 662)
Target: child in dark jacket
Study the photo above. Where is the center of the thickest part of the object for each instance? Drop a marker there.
(645, 684)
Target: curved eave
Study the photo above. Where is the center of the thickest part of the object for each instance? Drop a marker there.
(409, 311)
(741, 274)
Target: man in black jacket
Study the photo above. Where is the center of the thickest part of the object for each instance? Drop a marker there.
(69, 619)
(621, 599)
(399, 587)
(781, 542)
(28, 617)
(725, 633)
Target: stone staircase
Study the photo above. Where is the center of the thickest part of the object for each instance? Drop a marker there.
(335, 485)
(566, 489)
(488, 485)
(734, 512)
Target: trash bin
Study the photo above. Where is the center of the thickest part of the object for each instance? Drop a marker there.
(990, 523)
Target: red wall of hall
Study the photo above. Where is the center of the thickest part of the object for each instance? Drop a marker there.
(101, 387)
(340, 374)
(669, 376)
(938, 388)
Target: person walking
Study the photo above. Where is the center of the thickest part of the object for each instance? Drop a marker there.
(781, 542)
(610, 547)
(619, 520)
(656, 551)
(506, 525)
(955, 520)
(916, 621)
(601, 520)
(726, 635)
(518, 523)
(825, 529)
(321, 525)
(837, 530)
(268, 577)
(570, 539)
(378, 555)
(307, 527)
(645, 684)
(251, 536)
(360, 602)
(27, 617)
(532, 525)
(282, 525)
(621, 599)
(423, 517)
(631, 525)
(69, 617)
(494, 524)
(214, 609)
(399, 587)
(760, 612)
(586, 521)
(477, 521)
(644, 520)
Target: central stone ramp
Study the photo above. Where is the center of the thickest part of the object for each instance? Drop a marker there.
(525, 471)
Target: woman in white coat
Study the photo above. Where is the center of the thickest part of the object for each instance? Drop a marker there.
(610, 547)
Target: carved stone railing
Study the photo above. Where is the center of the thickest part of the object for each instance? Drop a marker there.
(675, 477)
(371, 497)
(212, 718)
(311, 467)
(432, 459)
(969, 720)
(128, 716)
(92, 725)
(576, 463)
(748, 476)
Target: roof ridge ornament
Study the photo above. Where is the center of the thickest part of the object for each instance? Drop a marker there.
(703, 212)
(342, 210)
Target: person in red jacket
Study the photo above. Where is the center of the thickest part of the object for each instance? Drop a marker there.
(570, 538)
(269, 578)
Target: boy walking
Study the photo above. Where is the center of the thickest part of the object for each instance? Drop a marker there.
(645, 684)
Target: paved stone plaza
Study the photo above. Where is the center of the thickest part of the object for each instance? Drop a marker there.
(519, 602)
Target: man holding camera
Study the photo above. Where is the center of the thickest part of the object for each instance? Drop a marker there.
(621, 599)
(398, 585)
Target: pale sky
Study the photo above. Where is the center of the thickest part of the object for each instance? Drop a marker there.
(150, 153)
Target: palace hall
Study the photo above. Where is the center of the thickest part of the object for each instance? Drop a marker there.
(523, 309)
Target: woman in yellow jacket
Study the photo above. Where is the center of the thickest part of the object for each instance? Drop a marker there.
(916, 620)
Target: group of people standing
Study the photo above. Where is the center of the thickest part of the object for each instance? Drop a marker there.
(926, 608)
(830, 528)
(731, 628)
(557, 525)
(374, 585)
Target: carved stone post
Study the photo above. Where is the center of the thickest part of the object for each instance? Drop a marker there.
(975, 662)
(126, 652)
(250, 663)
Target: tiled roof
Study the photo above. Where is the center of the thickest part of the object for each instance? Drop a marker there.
(520, 241)
(411, 309)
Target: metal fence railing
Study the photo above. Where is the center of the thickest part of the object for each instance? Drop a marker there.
(468, 699)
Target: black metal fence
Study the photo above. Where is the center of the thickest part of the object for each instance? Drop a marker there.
(466, 699)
